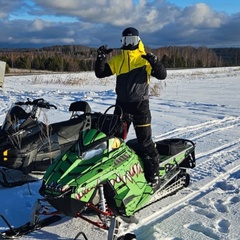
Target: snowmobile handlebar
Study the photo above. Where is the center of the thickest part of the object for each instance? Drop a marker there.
(40, 102)
(123, 115)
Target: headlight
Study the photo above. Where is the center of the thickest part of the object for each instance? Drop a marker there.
(94, 151)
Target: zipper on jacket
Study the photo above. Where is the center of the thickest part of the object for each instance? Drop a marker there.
(120, 69)
(129, 65)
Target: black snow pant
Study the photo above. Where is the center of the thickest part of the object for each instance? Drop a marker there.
(140, 115)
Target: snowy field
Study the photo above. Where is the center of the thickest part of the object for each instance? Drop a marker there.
(201, 105)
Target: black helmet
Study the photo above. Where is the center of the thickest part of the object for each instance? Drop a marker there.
(130, 31)
(130, 38)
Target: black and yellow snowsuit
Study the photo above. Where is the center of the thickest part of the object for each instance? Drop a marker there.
(132, 88)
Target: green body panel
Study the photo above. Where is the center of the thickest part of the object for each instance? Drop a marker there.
(91, 136)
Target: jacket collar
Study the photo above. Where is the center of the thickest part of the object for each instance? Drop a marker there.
(140, 49)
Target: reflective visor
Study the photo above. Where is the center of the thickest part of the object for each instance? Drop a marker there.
(132, 40)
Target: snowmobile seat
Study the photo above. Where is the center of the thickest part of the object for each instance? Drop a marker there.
(170, 147)
(66, 128)
(166, 147)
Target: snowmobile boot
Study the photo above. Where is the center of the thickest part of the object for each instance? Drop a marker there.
(151, 170)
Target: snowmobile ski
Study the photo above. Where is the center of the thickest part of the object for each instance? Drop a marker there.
(15, 232)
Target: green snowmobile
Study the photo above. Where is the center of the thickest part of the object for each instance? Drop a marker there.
(104, 175)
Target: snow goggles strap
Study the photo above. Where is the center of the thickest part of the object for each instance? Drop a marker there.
(132, 40)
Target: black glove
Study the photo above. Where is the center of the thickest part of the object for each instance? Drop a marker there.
(158, 70)
(151, 58)
(103, 51)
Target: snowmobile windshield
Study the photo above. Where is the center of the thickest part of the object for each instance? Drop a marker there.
(94, 151)
(15, 117)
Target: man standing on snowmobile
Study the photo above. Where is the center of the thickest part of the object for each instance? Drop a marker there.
(133, 68)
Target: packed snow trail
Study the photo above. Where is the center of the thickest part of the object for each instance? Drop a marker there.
(202, 108)
(194, 132)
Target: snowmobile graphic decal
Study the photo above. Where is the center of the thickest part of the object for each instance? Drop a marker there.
(135, 170)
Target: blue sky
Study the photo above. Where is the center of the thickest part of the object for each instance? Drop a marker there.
(39, 23)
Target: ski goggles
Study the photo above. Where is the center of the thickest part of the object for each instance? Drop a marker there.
(132, 40)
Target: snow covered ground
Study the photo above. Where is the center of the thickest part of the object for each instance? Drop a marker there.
(201, 105)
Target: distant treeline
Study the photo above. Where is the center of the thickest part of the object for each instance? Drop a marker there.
(77, 58)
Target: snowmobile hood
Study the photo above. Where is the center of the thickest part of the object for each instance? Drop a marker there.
(76, 179)
(81, 166)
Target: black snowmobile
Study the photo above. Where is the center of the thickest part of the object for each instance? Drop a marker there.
(28, 146)
(101, 180)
